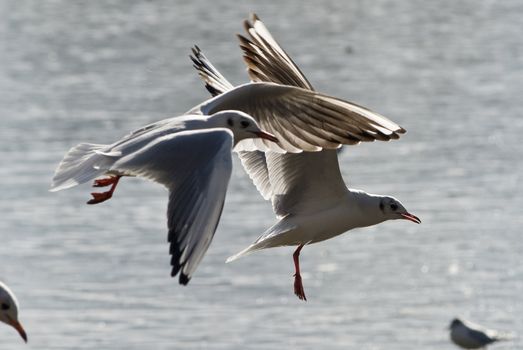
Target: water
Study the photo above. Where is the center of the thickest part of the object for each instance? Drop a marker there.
(97, 277)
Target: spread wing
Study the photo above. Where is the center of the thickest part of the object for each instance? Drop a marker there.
(303, 120)
(295, 182)
(195, 166)
(300, 117)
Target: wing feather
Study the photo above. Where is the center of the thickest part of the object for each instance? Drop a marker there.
(196, 167)
(302, 119)
(275, 106)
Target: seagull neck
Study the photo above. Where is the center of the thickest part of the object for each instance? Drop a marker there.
(198, 122)
(367, 207)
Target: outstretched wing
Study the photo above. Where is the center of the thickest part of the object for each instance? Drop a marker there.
(303, 120)
(196, 167)
(292, 181)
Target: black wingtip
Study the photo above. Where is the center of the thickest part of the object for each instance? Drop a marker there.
(212, 90)
(184, 279)
(247, 25)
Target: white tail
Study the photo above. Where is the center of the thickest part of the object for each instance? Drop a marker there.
(246, 251)
(80, 164)
(270, 238)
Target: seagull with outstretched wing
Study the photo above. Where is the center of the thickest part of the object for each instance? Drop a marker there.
(190, 155)
(308, 194)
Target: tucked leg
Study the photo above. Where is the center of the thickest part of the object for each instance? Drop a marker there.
(298, 286)
(106, 181)
(99, 197)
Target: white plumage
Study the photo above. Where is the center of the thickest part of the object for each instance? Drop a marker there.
(189, 155)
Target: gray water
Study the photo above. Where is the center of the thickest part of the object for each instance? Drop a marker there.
(97, 277)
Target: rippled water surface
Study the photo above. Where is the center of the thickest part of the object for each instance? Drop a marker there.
(97, 277)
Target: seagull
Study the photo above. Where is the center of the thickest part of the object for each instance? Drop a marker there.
(190, 155)
(9, 310)
(308, 194)
(472, 336)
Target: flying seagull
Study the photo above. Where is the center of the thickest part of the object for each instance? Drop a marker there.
(308, 194)
(9, 310)
(190, 155)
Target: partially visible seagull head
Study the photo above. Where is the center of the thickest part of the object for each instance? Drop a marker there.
(242, 125)
(455, 323)
(392, 209)
(9, 310)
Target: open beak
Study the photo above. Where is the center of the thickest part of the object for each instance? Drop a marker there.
(16, 325)
(266, 136)
(410, 217)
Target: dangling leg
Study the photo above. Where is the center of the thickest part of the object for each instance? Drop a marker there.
(298, 286)
(99, 197)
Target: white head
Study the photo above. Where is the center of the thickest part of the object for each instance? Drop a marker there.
(9, 310)
(242, 125)
(392, 209)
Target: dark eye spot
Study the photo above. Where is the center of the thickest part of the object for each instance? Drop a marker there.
(394, 206)
(382, 206)
(244, 123)
(230, 122)
(5, 306)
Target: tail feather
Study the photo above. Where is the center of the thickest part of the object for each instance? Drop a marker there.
(80, 164)
(246, 251)
(273, 237)
(504, 336)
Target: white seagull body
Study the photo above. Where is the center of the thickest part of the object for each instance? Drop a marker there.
(9, 310)
(472, 336)
(307, 191)
(189, 155)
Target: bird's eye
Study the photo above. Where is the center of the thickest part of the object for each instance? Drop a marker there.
(5, 306)
(230, 122)
(244, 124)
(394, 206)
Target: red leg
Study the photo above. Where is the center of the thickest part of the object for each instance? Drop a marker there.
(298, 286)
(99, 197)
(105, 182)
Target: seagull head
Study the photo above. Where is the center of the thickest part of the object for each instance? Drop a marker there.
(242, 125)
(9, 310)
(392, 209)
(455, 323)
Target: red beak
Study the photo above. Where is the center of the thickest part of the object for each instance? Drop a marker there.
(16, 325)
(266, 136)
(410, 217)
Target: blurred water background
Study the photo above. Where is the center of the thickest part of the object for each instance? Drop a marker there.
(97, 277)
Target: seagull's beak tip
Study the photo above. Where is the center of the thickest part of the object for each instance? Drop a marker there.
(267, 136)
(411, 217)
(18, 326)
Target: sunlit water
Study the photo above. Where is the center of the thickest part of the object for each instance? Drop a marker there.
(97, 277)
